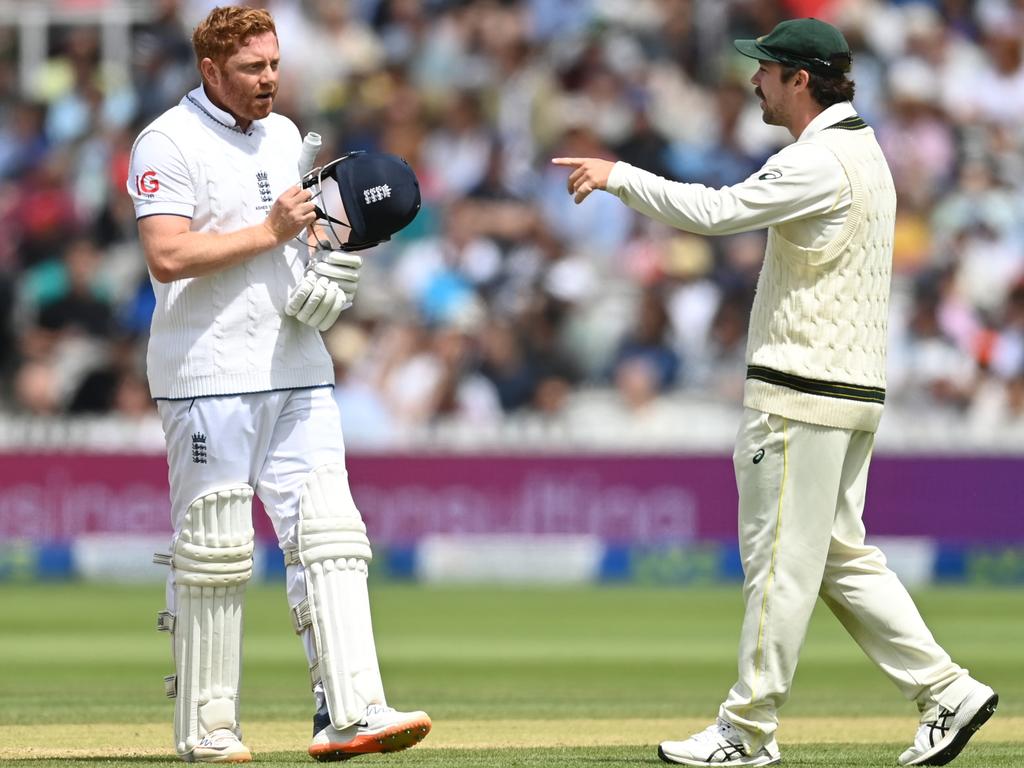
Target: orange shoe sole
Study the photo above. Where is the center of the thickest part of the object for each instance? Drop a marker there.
(390, 740)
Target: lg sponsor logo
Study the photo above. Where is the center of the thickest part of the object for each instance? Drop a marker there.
(147, 183)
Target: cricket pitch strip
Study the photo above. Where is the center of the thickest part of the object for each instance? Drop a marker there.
(111, 740)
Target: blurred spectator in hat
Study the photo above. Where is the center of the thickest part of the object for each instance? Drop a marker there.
(918, 142)
(23, 142)
(458, 151)
(997, 94)
(650, 339)
(677, 38)
(919, 145)
(116, 384)
(601, 225)
(645, 147)
(438, 275)
(958, 318)
(595, 308)
(542, 323)
(525, 109)
(722, 159)
(428, 373)
(365, 418)
(84, 307)
(454, 387)
(738, 260)
(998, 407)
(505, 363)
(35, 389)
(70, 337)
(163, 64)
(978, 223)
(553, 21)
(42, 211)
(1006, 357)
(332, 41)
(692, 298)
(635, 412)
(721, 370)
(927, 371)
(81, 96)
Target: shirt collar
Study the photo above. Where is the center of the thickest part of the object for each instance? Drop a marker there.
(828, 116)
(197, 98)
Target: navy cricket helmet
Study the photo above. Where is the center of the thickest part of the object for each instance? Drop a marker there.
(371, 194)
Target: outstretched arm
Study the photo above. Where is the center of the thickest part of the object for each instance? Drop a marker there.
(800, 181)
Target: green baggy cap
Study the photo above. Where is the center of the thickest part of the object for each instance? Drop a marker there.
(809, 44)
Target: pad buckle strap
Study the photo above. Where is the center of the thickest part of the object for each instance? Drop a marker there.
(165, 621)
(314, 675)
(291, 557)
(171, 686)
(163, 558)
(301, 616)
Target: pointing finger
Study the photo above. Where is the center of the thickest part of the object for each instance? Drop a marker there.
(570, 161)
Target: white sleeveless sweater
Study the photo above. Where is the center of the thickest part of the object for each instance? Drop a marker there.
(226, 333)
(817, 341)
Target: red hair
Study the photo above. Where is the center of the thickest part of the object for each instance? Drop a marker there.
(227, 29)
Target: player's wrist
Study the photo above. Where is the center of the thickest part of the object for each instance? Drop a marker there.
(271, 236)
(613, 184)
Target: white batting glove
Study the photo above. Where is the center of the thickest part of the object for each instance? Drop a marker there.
(327, 288)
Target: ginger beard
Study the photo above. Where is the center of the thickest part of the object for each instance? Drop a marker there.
(245, 84)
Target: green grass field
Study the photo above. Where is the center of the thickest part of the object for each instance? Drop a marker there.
(512, 677)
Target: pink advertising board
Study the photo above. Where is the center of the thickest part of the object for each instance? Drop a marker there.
(628, 498)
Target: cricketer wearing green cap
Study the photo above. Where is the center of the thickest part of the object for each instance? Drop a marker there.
(809, 44)
(813, 398)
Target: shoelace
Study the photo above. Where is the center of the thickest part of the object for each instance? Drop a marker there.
(716, 732)
(378, 709)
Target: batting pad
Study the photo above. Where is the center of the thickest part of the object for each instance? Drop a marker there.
(334, 551)
(211, 563)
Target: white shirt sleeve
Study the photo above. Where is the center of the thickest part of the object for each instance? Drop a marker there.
(800, 181)
(159, 181)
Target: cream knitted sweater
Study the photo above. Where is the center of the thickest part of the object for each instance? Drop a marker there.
(817, 340)
(816, 346)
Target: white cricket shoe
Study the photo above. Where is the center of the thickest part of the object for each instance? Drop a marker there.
(940, 740)
(719, 744)
(382, 729)
(220, 745)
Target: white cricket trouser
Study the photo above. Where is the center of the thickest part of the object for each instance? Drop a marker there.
(269, 440)
(801, 493)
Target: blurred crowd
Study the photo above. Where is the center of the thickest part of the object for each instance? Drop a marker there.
(504, 301)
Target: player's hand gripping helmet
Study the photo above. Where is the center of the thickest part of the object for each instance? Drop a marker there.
(370, 195)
